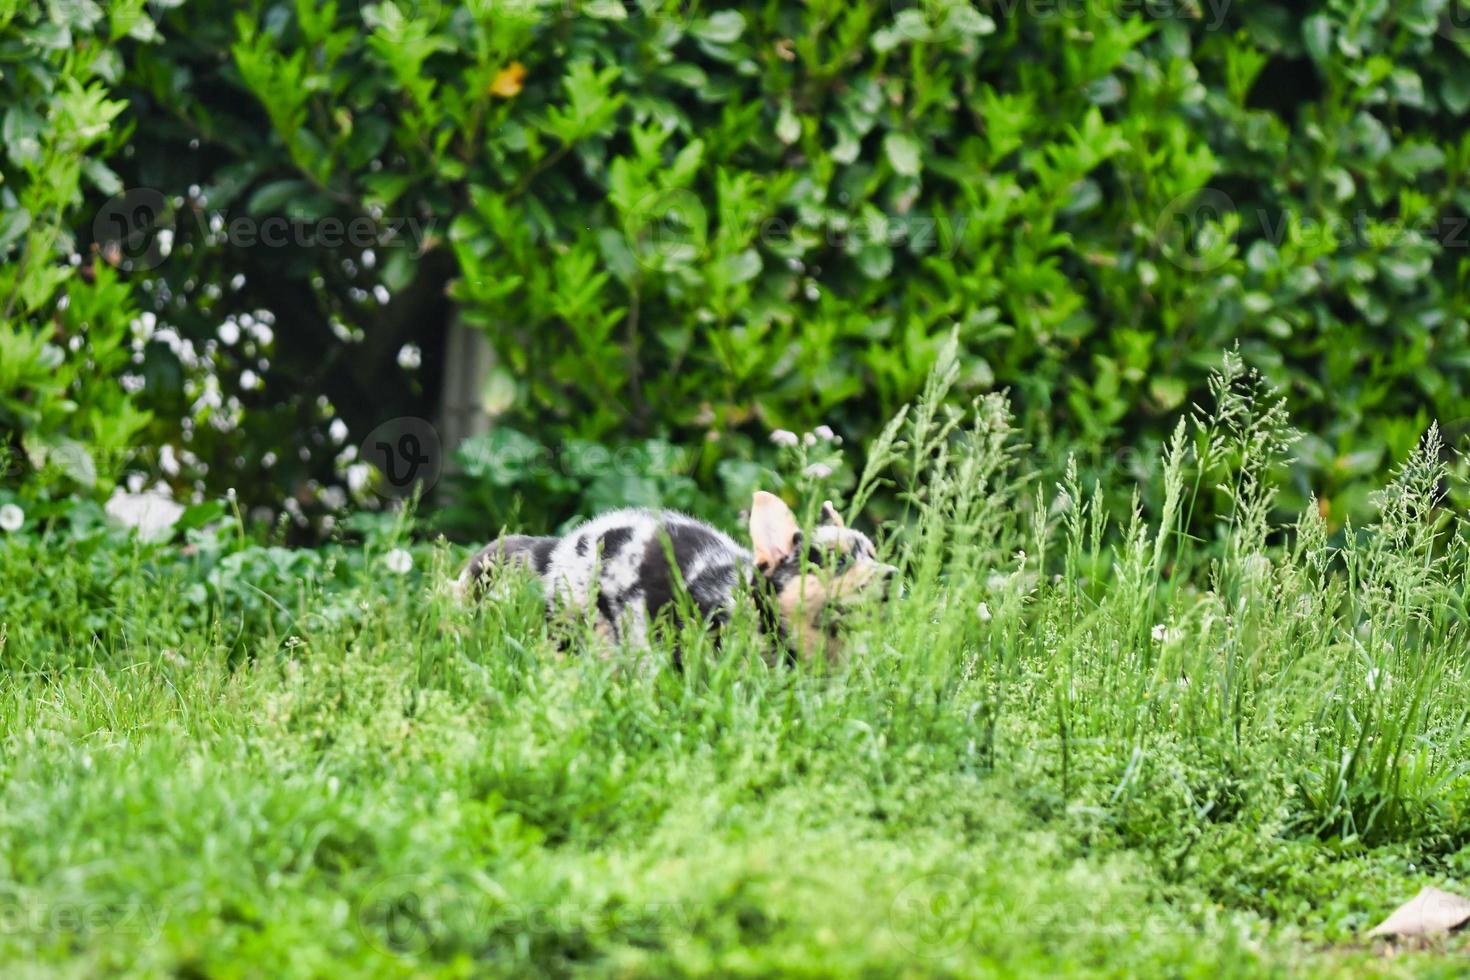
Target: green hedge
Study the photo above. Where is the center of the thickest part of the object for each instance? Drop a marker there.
(700, 222)
(64, 318)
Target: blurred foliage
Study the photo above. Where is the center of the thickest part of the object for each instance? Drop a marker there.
(64, 421)
(695, 222)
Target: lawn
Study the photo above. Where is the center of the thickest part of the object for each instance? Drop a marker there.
(1076, 746)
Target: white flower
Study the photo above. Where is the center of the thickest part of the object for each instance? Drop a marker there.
(399, 561)
(983, 611)
(824, 433)
(784, 437)
(337, 430)
(809, 439)
(168, 461)
(152, 514)
(1160, 632)
(380, 293)
(11, 518)
(229, 333)
(410, 357)
(359, 476)
(818, 471)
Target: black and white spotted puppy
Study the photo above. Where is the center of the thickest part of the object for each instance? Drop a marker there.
(616, 570)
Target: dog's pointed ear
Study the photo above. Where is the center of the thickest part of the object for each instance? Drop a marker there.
(830, 515)
(774, 533)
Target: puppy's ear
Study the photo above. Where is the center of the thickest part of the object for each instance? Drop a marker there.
(774, 533)
(830, 515)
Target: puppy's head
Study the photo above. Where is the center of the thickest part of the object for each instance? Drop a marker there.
(814, 582)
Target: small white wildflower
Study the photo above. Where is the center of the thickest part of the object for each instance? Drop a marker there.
(168, 461)
(410, 357)
(784, 437)
(11, 518)
(334, 497)
(809, 439)
(983, 611)
(359, 475)
(229, 333)
(337, 430)
(818, 471)
(398, 561)
(1160, 632)
(380, 293)
(824, 433)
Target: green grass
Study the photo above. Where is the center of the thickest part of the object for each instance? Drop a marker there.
(1151, 753)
